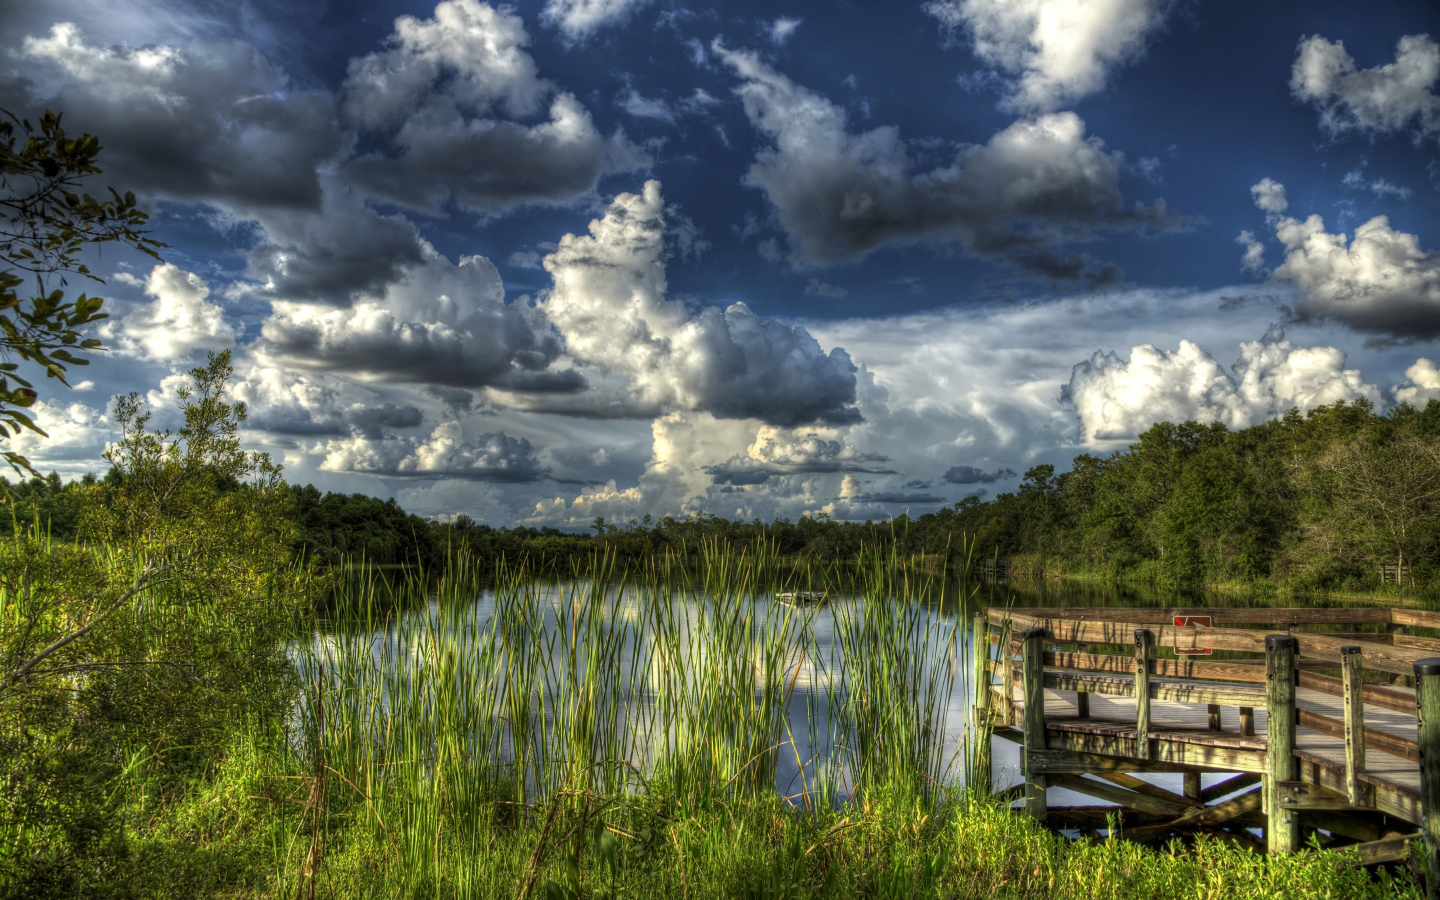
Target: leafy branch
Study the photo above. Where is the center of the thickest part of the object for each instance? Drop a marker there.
(46, 224)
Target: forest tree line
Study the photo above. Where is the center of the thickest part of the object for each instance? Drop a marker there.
(1315, 501)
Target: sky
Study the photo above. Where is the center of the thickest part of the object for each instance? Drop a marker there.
(543, 262)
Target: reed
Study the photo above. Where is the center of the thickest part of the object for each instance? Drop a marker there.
(670, 730)
(484, 701)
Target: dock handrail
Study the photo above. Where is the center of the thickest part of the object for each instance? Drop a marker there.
(1112, 652)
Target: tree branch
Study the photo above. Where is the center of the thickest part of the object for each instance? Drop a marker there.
(148, 578)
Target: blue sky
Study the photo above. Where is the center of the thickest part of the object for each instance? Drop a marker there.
(567, 258)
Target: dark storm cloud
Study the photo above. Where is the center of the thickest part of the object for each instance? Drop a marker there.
(211, 122)
(490, 166)
(433, 94)
(970, 475)
(331, 256)
(366, 420)
(565, 381)
(745, 470)
(895, 497)
(438, 324)
(456, 400)
(839, 195)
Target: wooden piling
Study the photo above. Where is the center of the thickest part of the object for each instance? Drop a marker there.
(1192, 785)
(1427, 708)
(1142, 692)
(1006, 660)
(980, 649)
(1247, 721)
(1032, 675)
(1283, 825)
(1352, 690)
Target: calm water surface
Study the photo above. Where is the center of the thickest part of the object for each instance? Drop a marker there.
(809, 701)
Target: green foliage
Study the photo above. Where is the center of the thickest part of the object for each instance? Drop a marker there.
(45, 226)
(1313, 502)
(145, 641)
(46, 503)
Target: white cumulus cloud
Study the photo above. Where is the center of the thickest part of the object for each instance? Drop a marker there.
(1379, 281)
(479, 50)
(1057, 50)
(446, 453)
(77, 436)
(578, 19)
(609, 302)
(179, 322)
(1269, 195)
(1423, 385)
(1116, 399)
(1381, 100)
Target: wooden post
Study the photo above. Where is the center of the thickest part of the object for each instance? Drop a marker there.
(1427, 708)
(1283, 825)
(1006, 659)
(1032, 673)
(1192, 785)
(1082, 704)
(980, 648)
(1142, 693)
(1352, 688)
(1247, 721)
(1212, 711)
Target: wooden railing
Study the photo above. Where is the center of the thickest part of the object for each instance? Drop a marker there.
(1285, 657)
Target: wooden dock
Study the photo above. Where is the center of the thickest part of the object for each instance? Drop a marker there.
(1327, 722)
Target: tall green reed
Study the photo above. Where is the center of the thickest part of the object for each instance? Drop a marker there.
(482, 700)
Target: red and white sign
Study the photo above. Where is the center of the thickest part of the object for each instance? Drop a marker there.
(1193, 622)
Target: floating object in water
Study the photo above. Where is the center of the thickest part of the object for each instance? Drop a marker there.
(803, 597)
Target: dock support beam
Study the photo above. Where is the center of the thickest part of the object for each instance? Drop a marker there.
(980, 649)
(1283, 825)
(1352, 690)
(1032, 674)
(1142, 693)
(1427, 708)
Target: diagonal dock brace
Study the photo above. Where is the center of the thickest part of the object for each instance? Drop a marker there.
(1208, 817)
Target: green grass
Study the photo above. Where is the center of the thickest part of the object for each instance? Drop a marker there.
(619, 734)
(646, 846)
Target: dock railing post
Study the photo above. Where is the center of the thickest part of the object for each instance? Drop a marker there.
(1032, 673)
(1142, 693)
(1427, 710)
(1282, 828)
(1005, 659)
(1353, 690)
(980, 648)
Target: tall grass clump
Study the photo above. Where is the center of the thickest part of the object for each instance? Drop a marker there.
(671, 730)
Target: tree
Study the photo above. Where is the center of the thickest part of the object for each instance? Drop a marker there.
(1389, 487)
(155, 633)
(45, 227)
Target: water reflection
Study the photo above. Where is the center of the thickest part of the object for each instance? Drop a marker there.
(649, 666)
